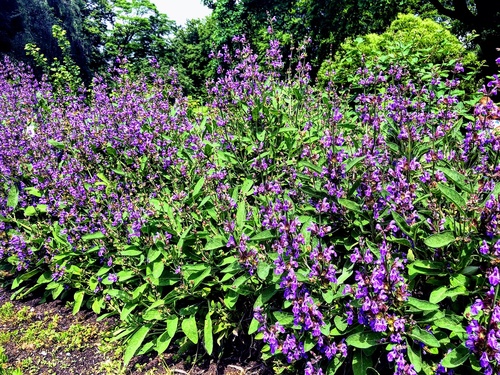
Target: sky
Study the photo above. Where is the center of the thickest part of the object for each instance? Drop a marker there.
(182, 10)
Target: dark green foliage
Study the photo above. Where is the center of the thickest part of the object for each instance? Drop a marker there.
(31, 21)
(194, 43)
(479, 17)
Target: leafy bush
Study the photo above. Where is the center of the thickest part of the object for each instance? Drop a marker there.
(344, 237)
(420, 46)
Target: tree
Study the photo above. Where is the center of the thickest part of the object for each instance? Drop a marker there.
(138, 33)
(326, 22)
(31, 21)
(193, 44)
(480, 17)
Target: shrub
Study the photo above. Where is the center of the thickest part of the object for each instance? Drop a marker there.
(420, 46)
(345, 230)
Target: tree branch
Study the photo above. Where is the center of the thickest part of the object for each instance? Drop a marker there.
(460, 10)
(442, 9)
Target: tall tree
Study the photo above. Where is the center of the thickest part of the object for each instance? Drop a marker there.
(326, 22)
(31, 21)
(193, 44)
(139, 32)
(481, 17)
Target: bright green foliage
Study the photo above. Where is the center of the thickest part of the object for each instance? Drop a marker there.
(422, 46)
(64, 72)
(139, 33)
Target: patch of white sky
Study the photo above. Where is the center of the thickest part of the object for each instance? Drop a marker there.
(182, 10)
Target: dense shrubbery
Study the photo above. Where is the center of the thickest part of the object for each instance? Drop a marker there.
(421, 46)
(343, 233)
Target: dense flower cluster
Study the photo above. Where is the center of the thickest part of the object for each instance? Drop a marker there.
(334, 211)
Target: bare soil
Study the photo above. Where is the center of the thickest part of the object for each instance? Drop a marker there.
(92, 355)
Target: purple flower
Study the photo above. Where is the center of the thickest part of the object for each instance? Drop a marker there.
(112, 278)
(494, 277)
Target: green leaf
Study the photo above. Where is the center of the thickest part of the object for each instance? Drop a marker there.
(422, 305)
(426, 267)
(200, 277)
(93, 236)
(45, 278)
(310, 166)
(13, 197)
(424, 337)
(198, 186)
(172, 323)
(456, 357)
(189, 310)
(139, 291)
(189, 328)
(263, 269)
(360, 363)
(340, 323)
(265, 296)
(125, 275)
(285, 319)
(215, 243)
(246, 186)
(29, 211)
(97, 305)
(452, 325)
(153, 254)
(328, 296)
(33, 191)
(414, 356)
(158, 267)
(438, 294)
(470, 270)
(335, 365)
(440, 240)
(457, 291)
(363, 340)
(452, 196)
(350, 205)
(309, 343)
(253, 327)
(25, 276)
(456, 177)
(131, 253)
(56, 144)
(78, 301)
(262, 236)
(207, 334)
(261, 135)
(127, 309)
(153, 314)
(135, 342)
(162, 342)
(241, 215)
(353, 162)
(401, 222)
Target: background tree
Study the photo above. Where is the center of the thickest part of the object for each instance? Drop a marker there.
(480, 17)
(139, 33)
(418, 47)
(326, 22)
(193, 43)
(31, 21)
